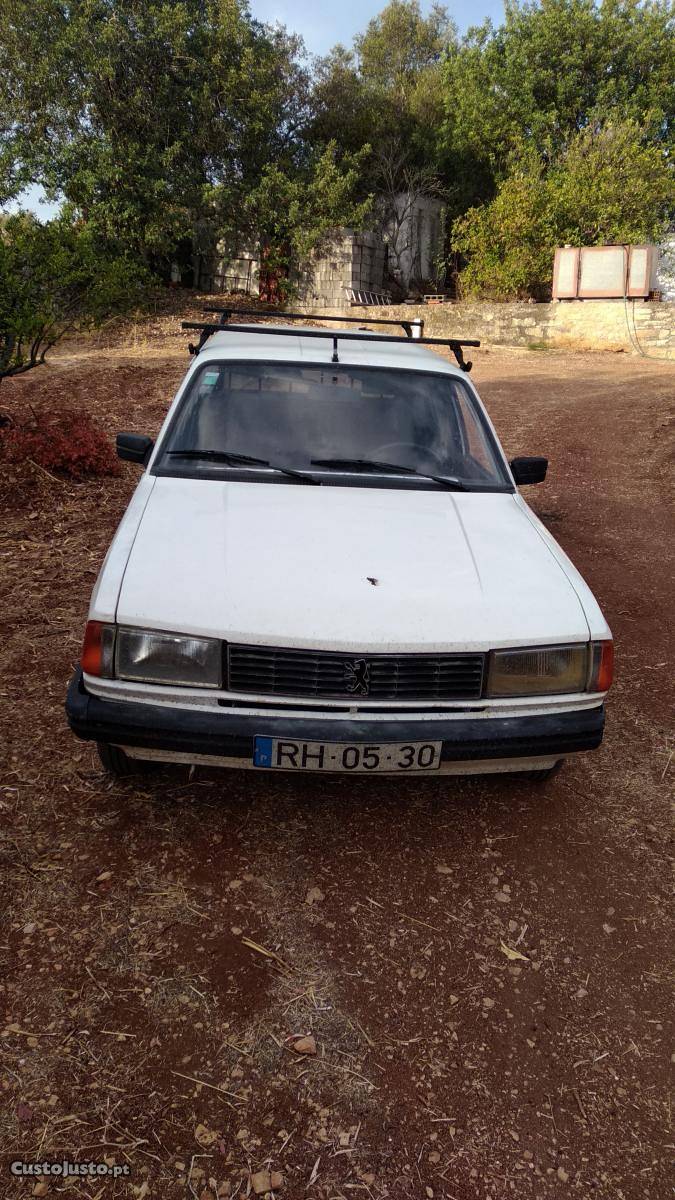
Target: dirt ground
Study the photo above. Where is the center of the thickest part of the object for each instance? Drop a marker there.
(163, 940)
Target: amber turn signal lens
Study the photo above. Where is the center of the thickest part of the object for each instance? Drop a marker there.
(602, 666)
(606, 668)
(97, 650)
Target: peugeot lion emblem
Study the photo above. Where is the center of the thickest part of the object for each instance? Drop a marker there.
(357, 676)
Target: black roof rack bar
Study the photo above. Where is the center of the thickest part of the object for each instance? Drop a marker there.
(226, 313)
(207, 328)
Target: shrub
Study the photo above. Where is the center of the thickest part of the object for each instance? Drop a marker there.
(68, 443)
(607, 188)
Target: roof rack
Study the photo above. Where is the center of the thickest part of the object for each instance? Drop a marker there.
(408, 325)
(208, 328)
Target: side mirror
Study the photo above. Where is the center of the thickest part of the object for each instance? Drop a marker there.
(529, 470)
(134, 447)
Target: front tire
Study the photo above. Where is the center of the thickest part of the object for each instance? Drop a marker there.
(117, 763)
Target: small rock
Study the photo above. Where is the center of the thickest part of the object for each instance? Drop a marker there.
(609, 928)
(527, 1155)
(314, 895)
(434, 1157)
(488, 1002)
(443, 870)
(305, 1045)
(368, 1178)
(41, 1188)
(562, 1175)
(29, 928)
(104, 876)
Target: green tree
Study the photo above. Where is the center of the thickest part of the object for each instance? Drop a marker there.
(135, 111)
(56, 280)
(607, 188)
(387, 91)
(292, 215)
(553, 68)
(399, 45)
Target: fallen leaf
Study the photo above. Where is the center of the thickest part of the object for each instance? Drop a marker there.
(511, 954)
(41, 1188)
(103, 876)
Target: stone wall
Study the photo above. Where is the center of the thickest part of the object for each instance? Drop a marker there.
(574, 324)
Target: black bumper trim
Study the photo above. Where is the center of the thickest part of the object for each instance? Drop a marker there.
(230, 735)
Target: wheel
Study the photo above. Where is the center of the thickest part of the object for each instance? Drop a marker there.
(117, 763)
(545, 773)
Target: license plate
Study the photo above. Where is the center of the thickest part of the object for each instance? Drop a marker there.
(367, 757)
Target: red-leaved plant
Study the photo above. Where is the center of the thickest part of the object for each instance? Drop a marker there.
(67, 443)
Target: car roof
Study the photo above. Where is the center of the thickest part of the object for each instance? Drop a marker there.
(403, 355)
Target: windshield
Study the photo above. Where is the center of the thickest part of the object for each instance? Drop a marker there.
(335, 424)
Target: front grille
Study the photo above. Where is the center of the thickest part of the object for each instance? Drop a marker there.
(268, 670)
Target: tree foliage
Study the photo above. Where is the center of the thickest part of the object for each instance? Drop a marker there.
(55, 280)
(608, 187)
(187, 121)
(387, 90)
(293, 215)
(554, 68)
(134, 111)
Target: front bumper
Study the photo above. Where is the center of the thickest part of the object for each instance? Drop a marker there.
(190, 735)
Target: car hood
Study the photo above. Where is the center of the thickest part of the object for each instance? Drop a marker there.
(346, 568)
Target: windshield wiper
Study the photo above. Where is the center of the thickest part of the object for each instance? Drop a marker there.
(233, 459)
(371, 464)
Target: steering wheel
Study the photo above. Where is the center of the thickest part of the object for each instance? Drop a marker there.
(394, 446)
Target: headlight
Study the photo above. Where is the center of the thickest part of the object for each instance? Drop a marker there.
(538, 671)
(168, 658)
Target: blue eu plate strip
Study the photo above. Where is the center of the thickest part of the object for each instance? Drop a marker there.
(262, 752)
